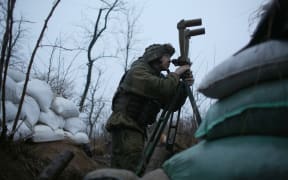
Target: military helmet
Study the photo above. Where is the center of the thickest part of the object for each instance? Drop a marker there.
(156, 51)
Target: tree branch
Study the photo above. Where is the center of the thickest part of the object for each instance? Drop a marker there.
(8, 41)
(96, 35)
(62, 47)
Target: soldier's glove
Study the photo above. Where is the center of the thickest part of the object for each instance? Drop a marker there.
(188, 78)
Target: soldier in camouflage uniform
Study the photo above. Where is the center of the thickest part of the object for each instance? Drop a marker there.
(142, 91)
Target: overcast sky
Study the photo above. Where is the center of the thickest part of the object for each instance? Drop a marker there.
(227, 24)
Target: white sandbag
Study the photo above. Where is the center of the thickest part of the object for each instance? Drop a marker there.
(266, 61)
(22, 131)
(41, 92)
(17, 76)
(11, 91)
(30, 111)
(68, 134)
(59, 132)
(61, 122)
(80, 138)
(10, 111)
(74, 125)
(43, 133)
(51, 119)
(64, 107)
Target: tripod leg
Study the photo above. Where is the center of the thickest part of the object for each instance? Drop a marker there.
(193, 104)
(172, 131)
(153, 140)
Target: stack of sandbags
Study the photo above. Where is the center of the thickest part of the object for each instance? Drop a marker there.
(237, 157)
(252, 93)
(244, 133)
(47, 117)
(30, 108)
(74, 127)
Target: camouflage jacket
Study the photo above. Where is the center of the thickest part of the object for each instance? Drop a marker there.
(143, 83)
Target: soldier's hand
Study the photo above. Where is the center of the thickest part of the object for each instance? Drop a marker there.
(188, 78)
(180, 70)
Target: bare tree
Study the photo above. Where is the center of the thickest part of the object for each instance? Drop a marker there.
(99, 28)
(94, 116)
(3, 17)
(128, 34)
(59, 74)
(6, 49)
(94, 105)
(10, 45)
(18, 32)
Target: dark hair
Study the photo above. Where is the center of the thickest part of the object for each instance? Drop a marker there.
(273, 23)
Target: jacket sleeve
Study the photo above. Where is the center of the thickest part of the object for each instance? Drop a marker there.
(182, 97)
(142, 82)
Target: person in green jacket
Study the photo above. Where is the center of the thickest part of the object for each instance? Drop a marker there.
(141, 93)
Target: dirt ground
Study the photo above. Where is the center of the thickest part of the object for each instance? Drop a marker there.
(26, 161)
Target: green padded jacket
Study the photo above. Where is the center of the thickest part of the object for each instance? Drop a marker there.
(144, 81)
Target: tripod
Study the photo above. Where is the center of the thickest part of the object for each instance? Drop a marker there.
(166, 115)
(168, 112)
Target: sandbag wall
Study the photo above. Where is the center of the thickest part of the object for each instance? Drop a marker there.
(44, 117)
(244, 134)
(251, 89)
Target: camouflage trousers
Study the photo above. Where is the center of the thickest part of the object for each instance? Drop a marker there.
(127, 148)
